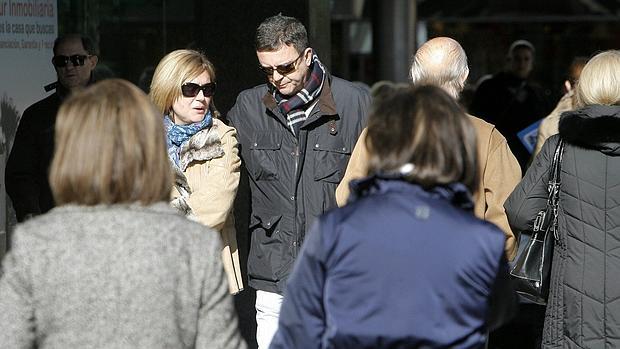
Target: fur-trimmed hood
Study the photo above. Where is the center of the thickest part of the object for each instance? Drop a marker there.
(594, 126)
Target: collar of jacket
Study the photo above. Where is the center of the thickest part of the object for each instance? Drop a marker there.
(455, 193)
(326, 103)
(593, 126)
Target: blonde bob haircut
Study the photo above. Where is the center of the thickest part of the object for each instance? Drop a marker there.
(176, 68)
(599, 82)
(110, 148)
(425, 127)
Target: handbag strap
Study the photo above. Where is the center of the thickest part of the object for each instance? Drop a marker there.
(556, 165)
(554, 184)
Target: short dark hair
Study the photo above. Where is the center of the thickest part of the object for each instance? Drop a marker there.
(425, 127)
(277, 31)
(87, 43)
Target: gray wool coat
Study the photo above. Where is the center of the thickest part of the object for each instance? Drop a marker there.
(583, 309)
(120, 276)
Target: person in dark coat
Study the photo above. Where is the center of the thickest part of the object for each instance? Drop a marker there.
(405, 264)
(510, 100)
(583, 309)
(296, 135)
(28, 163)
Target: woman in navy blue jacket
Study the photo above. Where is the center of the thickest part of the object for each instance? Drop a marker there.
(405, 264)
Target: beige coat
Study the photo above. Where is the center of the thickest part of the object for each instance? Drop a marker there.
(213, 184)
(499, 169)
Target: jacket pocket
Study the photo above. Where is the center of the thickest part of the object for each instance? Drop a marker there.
(331, 156)
(270, 251)
(264, 148)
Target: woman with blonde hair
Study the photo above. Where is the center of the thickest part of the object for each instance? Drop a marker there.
(405, 264)
(113, 265)
(583, 310)
(202, 149)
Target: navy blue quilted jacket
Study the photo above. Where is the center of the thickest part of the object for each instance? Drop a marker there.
(399, 267)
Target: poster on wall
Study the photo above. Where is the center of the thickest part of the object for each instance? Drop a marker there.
(27, 32)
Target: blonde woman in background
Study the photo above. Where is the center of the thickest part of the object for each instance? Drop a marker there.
(583, 309)
(113, 265)
(202, 149)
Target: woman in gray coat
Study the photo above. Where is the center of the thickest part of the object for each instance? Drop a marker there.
(583, 309)
(113, 266)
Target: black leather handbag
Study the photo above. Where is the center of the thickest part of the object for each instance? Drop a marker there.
(531, 269)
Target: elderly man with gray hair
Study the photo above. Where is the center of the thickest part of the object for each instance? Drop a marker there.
(442, 62)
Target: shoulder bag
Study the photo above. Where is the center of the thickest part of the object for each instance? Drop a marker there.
(531, 268)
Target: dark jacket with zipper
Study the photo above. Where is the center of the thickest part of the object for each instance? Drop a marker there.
(27, 167)
(583, 309)
(293, 179)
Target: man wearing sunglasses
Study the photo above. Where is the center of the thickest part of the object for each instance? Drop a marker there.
(27, 166)
(296, 134)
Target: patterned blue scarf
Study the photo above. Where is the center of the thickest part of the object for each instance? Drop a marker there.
(178, 135)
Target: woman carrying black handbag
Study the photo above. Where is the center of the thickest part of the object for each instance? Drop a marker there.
(531, 268)
(583, 307)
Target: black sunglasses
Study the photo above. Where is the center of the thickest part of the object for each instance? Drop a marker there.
(62, 61)
(282, 69)
(190, 89)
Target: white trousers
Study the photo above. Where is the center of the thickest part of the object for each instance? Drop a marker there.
(267, 313)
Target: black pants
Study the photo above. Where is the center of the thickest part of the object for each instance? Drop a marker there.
(523, 332)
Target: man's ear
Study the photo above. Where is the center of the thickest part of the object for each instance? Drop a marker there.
(308, 53)
(93, 59)
(464, 78)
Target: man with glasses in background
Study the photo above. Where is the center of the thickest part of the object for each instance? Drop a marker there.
(27, 166)
(296, 134)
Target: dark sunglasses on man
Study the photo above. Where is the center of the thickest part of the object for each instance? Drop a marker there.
(63, 61)
(190, 89)
(282, 69)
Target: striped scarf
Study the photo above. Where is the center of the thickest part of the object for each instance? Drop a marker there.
(294, 107)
